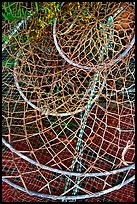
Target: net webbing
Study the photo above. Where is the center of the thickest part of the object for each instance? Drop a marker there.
(68, 132)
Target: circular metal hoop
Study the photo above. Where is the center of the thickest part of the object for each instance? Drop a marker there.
(124, 53)
(132, 166)
(46, 112)
(54, 197)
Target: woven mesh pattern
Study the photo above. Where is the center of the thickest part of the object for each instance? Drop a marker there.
(89, 33)
(69, 130)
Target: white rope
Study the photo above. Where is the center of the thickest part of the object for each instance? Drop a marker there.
(129, 144)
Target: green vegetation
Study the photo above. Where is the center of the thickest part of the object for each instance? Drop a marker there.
(10, 12)
(14, 12)
(17, 11)
(50, 11)
(44, 14)
(8, 63)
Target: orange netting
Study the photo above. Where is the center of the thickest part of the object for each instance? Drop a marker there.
(92, 34)
(68, 131)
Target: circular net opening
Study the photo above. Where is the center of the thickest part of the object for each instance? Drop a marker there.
(92, 34)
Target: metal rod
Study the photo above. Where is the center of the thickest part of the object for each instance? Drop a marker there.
(54, 197)
(106, 173)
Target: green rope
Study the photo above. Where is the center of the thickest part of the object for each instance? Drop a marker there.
(109, 24)
(83, 124)
(79, 144)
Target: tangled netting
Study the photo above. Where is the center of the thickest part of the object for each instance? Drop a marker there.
(68, 104)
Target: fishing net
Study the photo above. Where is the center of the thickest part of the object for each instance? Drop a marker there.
(90, 35)
(68, 125)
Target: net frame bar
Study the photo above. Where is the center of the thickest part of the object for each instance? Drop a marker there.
(117, 187)
(132, 166)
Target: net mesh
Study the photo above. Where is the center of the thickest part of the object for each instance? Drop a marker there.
(93, 34)
(68, 131)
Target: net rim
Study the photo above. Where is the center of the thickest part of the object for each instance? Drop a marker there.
(54, 197)
(46, 113)
(106, 173)
(79, 65)
(65, 58)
